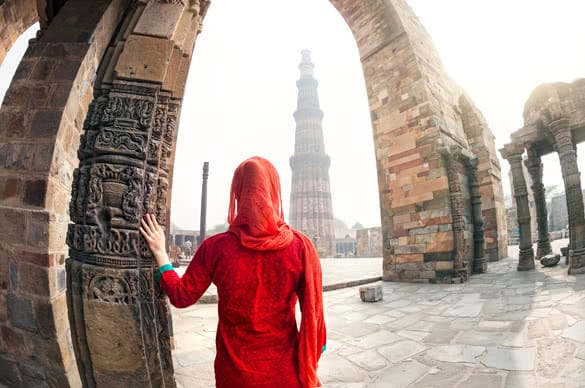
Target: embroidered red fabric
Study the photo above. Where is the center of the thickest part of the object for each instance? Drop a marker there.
(260, 267)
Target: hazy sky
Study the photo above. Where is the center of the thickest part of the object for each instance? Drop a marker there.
(241, 91)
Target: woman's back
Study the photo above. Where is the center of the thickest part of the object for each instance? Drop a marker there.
(257, 337)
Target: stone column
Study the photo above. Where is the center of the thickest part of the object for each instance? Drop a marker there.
(479, 262)
(568, 157)
(526, 254)
(120, 320)
(534, 166)
(450, 157)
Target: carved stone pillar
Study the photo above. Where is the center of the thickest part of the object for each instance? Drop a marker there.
(526, 253)
(479, 262)
(119, 316)
(568, 157)
(451, 157)
(534, 166)
(120, 320)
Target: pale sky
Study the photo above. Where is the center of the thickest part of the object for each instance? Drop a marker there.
(241, 91)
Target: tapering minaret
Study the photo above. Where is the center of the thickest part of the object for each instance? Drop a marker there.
(310, 199)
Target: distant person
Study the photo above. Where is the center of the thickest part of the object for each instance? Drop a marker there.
(188, 247)
(260, 266)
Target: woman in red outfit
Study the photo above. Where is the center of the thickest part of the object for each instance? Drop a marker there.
(260, 267)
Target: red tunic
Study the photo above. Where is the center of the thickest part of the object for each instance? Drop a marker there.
(257, 338)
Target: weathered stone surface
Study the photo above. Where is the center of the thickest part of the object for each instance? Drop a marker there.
(14, 342)
(20, 312)
(401, 350)
(382, 337)
(456, 353)
(144, 58)
(159, 20)
(510, 359)
(371, 293)
(341, 370)
(401, 375)
(471, 309)
(482, 380)
(576, 332)
(552, 356)
(369, 360)
(9, 375)
(550, 260)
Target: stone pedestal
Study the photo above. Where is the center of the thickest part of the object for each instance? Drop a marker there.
(371, 293)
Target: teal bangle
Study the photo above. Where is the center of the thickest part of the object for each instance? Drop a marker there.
(323, 348)
(161, 270)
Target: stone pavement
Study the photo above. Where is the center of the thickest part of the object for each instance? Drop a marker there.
(500, 329)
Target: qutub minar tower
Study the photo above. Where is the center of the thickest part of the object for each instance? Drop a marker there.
(310, 199)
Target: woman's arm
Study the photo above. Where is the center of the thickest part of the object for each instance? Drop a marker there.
(184, 291)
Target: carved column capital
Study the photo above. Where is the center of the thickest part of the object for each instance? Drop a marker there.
(512, 152)
(558, 124)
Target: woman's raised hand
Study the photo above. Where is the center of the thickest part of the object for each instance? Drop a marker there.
(155, 238)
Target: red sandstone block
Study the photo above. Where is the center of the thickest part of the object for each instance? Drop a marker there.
(42, 70)
(438, 221)
(24, 70)
(404, 166)
(46, 123)
(412, 258)
(440, 246)
(39, 96)
(59, 94)
(66, 70)
(41, 259)
(9, 187)
(13, 226)
(13, 125)
(399, 231)
(17, 95)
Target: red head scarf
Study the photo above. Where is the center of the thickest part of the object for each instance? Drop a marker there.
(256, 218)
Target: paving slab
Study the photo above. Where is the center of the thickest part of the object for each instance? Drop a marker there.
(456, 353)
(510, 359)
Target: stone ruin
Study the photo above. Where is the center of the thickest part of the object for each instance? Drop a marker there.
(554, 121)
(87, 137)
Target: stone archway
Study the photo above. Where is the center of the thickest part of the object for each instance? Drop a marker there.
(105, 85)
(15, 18)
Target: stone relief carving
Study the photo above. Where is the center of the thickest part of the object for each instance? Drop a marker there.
(109, 289)
(91, 239)
(126, 112)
